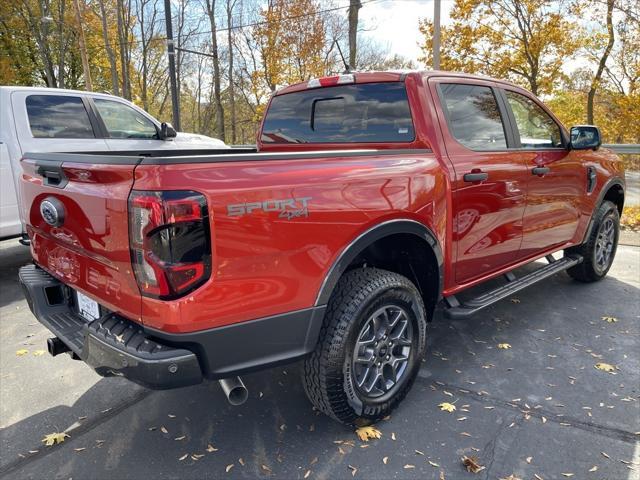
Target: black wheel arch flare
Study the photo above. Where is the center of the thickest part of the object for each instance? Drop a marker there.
(367, 238)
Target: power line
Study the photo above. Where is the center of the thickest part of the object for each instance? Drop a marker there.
(234, 27)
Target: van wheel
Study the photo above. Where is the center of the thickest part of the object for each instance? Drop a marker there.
(371, 345)
(599, 250)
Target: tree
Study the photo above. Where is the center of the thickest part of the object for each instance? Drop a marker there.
(113, 67)
(526, 41)
(82, 46)
(602, 62)
(211, 14)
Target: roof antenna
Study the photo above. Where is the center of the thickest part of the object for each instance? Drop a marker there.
(347, 68)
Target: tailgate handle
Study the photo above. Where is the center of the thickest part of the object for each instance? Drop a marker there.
(52, 174)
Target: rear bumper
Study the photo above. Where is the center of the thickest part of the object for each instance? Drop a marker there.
(115, 346)
(112, 345)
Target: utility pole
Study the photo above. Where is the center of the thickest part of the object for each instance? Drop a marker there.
(436, 34)
(172, 65)
(354, 6)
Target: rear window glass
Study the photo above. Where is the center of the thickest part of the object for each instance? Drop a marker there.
(58, 116)
(369, 112)
(473, 115)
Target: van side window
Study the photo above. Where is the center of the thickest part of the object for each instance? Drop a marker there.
(58, 116)
(537, 129)
(473, 116)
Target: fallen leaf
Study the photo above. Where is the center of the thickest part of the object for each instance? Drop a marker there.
(605, 367)
(385, 460)
(472, 464)
(609, 319)
(568, 474)
(353, 470)
(515, 300)
(229, 467)
(54, 438)
(39, 353)
(408, 466)
(605, 455)
(307, 473)
(594, 468)
(465, 434)
(183, 457)
(79, 449)
(241, 461)
(211, 448)
(180, 438)
(197, 456)
(393, 436)
(171, 415)
(511, 477)
(528, 460)
(433, 464)
(418, 452)
(447, 407)
(163, 430)
(265, 468)
(504, 346)
(366, 433)
(22, 352)
(537, 477)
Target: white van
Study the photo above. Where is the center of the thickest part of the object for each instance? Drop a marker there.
(36, 119)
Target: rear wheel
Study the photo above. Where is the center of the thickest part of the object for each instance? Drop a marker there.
(599, 250)
(371, 344)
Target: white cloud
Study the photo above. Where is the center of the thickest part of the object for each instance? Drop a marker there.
(394, 23)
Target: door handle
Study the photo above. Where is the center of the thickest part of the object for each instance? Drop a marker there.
(476, 177)
(540, 170)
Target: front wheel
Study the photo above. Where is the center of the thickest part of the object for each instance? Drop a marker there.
(371, 344)
(599, 250)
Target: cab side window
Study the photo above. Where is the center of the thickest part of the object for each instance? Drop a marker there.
(58, 116)
(473, 116)
(122, 121)
(537, 129)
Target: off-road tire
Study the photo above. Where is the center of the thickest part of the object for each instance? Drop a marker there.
(328, 378)
(589, 270)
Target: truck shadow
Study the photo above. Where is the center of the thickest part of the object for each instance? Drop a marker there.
(553, 329)
(12, 256)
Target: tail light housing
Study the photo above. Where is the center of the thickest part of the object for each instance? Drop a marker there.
(170, 242)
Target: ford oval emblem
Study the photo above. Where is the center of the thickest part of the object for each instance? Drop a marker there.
(52, 211)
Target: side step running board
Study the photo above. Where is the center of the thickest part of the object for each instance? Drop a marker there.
(457, 310)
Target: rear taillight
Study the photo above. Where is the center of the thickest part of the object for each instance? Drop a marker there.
(169, 241)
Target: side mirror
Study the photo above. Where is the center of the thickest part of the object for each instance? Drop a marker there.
(167, 131)
(585, 137)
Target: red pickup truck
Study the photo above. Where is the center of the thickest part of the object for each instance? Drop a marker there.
(370, 198)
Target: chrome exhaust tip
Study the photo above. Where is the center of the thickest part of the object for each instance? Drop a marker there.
(235, 390)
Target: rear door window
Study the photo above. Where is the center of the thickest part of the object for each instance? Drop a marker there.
(473, 116)
(58, 116)
(360, 113)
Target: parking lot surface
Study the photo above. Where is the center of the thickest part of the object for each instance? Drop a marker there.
(536, 408)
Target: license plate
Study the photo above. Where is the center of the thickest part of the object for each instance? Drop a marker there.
(87, 307)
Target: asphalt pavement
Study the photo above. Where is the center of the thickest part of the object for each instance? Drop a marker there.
(536, 409)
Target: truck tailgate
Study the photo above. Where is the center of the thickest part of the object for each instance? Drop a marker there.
(77, 221)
